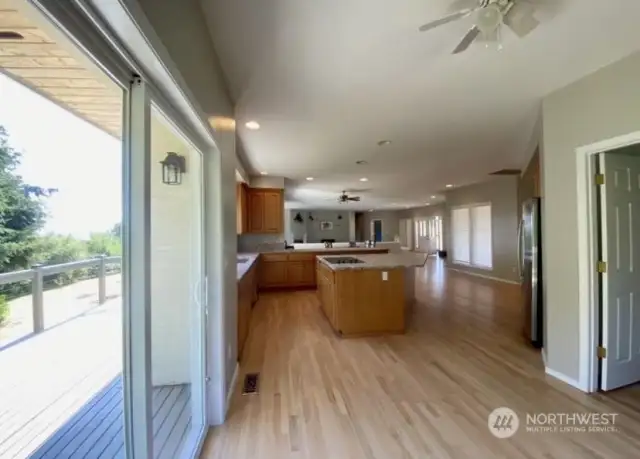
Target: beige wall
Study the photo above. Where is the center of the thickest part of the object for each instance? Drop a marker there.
(423, 212)
(601, 106)
(502, 193)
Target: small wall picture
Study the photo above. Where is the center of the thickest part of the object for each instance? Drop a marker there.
(326, 226)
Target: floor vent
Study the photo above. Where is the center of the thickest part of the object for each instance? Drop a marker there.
(250, 385)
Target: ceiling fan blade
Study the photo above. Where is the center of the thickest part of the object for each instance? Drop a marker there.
(354, 198)
(447, 19)
(521, 19)
(471, 35)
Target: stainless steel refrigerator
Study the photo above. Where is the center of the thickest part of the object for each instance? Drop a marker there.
(530, 266)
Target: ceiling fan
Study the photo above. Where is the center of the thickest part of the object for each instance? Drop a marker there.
(345, 198)
(490, 15)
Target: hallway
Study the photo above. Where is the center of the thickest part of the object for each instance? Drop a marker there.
(423, 394)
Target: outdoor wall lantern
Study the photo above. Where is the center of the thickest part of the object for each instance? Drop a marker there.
(173, 166)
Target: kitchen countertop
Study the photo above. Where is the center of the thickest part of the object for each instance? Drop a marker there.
(243, 268)
(381, 261)
(333, 249)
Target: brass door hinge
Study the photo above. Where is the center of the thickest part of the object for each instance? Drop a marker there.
(602, 352)
(602, 266)
(599, 179)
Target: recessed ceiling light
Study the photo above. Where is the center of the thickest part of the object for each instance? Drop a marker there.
(449, 185)
(222, 123)
(310, 178)
(364, 179)
(264, 173)
(383, 143)
(361, 162)
(253, 125)
(433, 197)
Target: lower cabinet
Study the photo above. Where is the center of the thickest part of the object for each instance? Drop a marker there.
(283, 271)
(247, 295)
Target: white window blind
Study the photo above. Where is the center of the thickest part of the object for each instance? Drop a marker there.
(481, 242)
(472, 238)
(461, 229)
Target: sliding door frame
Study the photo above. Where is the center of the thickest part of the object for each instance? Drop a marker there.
(136, 272)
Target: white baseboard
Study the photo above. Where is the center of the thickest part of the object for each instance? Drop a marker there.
(564, 378)
(484, 276)
(232, 389)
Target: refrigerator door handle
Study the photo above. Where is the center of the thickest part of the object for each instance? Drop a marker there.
(520, 258)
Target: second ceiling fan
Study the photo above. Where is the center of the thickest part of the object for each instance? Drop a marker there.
(490, 15)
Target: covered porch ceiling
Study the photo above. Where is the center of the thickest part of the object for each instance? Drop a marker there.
(34, 53)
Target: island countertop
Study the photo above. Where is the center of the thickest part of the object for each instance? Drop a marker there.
(336, 250)
(378, 261)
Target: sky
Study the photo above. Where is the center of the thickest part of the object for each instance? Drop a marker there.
(63, 151)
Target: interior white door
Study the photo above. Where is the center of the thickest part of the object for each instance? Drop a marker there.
(620, 236)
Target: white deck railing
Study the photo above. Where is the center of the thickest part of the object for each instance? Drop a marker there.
(37, 273)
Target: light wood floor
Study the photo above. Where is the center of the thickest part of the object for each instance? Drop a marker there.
(424, 394)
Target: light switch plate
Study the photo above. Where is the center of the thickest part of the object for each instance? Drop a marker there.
(385, 275)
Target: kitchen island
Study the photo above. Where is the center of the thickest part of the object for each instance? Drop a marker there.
(365, 295)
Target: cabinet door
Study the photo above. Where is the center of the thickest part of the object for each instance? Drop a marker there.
(256, 212)
(309, 273)
(273, 211)
(295, 273)
(274, 273)
(242, 208)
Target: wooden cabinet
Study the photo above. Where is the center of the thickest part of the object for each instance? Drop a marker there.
(326, 292)
(295, 273)
(296, 269)
(273, 270)
(247, 288)
(362, 302)
(256, 212)
(242, 214)
(266, 210)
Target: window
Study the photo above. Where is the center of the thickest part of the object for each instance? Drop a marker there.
(472, 238)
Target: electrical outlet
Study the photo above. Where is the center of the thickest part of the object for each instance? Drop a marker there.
(385, 276)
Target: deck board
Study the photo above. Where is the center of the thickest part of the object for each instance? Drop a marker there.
(96, 431)
(61, 393)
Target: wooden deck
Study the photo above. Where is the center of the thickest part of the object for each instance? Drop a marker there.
(61, 393)
(96, 430)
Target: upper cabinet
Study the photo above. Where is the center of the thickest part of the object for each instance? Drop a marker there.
(265, 210)
(242, 216)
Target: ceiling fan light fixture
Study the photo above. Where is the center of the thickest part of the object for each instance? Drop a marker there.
(489, 19)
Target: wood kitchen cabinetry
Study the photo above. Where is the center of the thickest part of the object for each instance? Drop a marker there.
(242, 215)
(247, 295)
(362, 302)
(287, 270)
(265, 210)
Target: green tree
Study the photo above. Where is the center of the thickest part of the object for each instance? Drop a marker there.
(21, 212)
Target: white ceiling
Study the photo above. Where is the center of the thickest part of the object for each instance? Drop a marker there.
(328, 79)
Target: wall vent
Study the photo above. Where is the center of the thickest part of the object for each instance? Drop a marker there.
(9, 35)
(507, 172)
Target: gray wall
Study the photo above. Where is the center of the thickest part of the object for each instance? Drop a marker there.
(390, 224)
(502, 193)
(340, 231)
(423, 212)
(601, 106)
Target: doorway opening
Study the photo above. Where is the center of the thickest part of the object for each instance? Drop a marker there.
(608, 201)
(376, 230)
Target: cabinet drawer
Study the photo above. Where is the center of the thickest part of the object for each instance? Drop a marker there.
(302, 257)
(268, 257)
